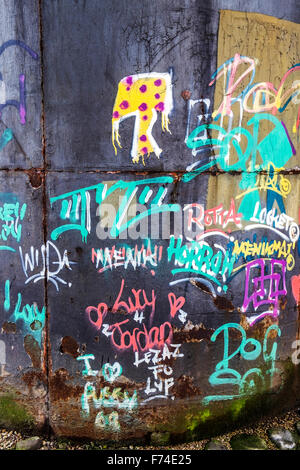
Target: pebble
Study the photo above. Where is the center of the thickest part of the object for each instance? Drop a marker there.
(283, 438)
(215, 444)
(248, 442)
(160, 438)
(32, 443)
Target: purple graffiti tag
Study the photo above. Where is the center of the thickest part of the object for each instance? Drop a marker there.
(290, 140)
(266, 287)
(19, 105)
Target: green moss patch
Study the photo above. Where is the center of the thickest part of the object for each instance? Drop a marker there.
(13, 415)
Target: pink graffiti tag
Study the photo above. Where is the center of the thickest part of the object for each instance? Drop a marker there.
(230, 70)
(262, 295)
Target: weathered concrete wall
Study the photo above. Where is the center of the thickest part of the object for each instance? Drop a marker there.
(150, 216)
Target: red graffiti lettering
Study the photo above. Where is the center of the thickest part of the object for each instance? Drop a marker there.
(140, 340)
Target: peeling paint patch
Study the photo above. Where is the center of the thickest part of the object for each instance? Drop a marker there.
(258, 330)
(9, 327)
(32, 378)
(222, 303)
(69, 346)
(33, 350)
(184, 387)
(192, 333)
(186, 95)
(59, 387)
(35, 177)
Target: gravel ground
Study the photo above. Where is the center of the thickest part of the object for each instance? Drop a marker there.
(9, 439)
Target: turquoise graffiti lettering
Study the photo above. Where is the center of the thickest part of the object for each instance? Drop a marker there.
(200, 259)
(75, 205)
(87, 367)
(276, 148)
(249, 349)
(109, 372)
(107, 399)
(33, 319)
(110, 421)
(10, 216)
(6, 137)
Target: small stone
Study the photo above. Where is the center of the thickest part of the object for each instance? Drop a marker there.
(160, 438)
(248, 442)
(298, 427)
(215, 444)
(33, 443)
(283, 438)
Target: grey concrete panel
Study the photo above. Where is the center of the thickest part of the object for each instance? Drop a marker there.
(22, 297)
(94, 295)
(20, 69)
(82, 76)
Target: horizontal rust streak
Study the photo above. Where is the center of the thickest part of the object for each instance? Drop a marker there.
(178, 173)
(192, 333)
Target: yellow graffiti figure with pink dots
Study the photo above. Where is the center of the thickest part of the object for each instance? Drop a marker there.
(142, 96)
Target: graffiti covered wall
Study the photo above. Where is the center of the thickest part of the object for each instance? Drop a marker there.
(150, 216)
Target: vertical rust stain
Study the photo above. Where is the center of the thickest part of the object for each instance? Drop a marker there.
(33, 350)
(47, 360)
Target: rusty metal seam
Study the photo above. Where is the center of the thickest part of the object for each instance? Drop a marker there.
(47, 350)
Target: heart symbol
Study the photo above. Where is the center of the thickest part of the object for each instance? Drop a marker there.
(97, 314)
(175, 304)
(111, 372)
(295, 280)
